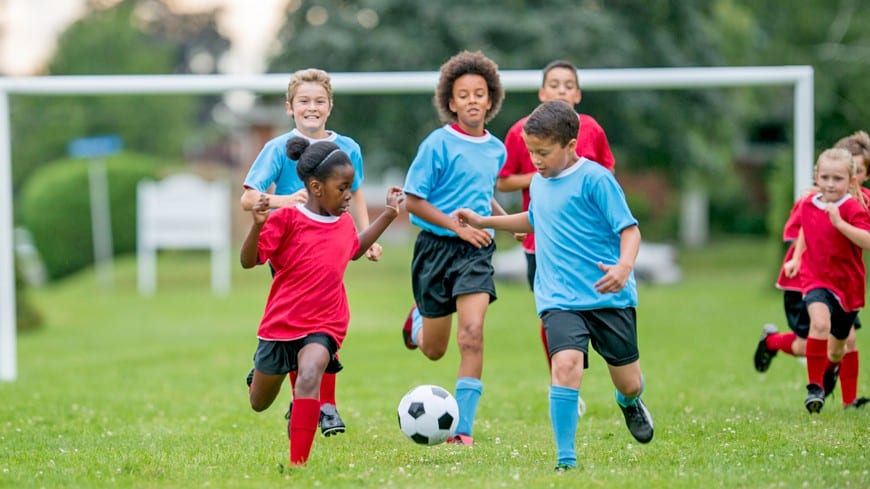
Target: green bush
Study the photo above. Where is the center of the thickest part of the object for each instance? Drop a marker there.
(55, 207)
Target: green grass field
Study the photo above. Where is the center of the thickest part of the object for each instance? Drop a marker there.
(128, 392)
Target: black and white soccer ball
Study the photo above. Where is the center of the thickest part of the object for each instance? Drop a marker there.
(428, 414)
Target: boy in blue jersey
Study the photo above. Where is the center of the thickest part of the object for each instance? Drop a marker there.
(456, 166)
(586, 244)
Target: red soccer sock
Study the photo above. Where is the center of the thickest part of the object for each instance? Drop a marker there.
(546, 345)
(849, 377)
(327, 389)
(303, 424)
(781, 342)
(817, 360)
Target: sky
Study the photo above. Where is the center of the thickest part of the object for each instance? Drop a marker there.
(29, 28)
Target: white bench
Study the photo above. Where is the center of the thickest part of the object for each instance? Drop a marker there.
(183, 211)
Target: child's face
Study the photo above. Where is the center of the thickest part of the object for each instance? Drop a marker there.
(332, 196)
(833, 179)
(310, 108)
(548, 156)
(560, 84)
(470, 101)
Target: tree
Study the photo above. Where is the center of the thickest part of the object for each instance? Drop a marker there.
(131, 37)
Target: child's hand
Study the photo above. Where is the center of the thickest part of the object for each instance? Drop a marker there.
(395, 197)
(614, 279)
(476, 237)
(467, 216)
(260, 210)
(299, 197)
(791, 268)
(520, 236)
(374, 252)
(834, 214)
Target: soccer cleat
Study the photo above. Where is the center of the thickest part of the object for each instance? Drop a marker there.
(406, 329)
(815, 398)
(581, 407)
(858, 403)
(638, 420)
(250, 378)
(829, 381)
(330, 421)
(460, 439)
(763, 356)
(287, 417)
(563, 468)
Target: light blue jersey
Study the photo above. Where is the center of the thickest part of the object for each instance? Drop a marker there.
(454, 170)
(577, 217)
(274, 166)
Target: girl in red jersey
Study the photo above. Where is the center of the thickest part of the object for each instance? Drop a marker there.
(793, 342)
(306, 315)
(835, 227)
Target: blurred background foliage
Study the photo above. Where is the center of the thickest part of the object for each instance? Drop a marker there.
(734, 141)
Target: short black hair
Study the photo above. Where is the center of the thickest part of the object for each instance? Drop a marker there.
(315, 160)
(553, 121)
(560, 63)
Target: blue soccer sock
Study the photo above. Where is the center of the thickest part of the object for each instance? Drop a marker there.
(416, 324)
(626, 401)
(468, 391)
(563, 417)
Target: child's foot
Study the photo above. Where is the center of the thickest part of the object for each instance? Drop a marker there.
(250, 378)
(829, 381)
(815, 400)
(638, 420)
(563, 468)
(763, 356)
(330, 421)
(858, 403)
(460, 439)
(406, 329)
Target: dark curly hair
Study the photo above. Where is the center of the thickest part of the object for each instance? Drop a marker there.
(467, 63)
(315, 161)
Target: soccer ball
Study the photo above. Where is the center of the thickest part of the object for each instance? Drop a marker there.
(428, 414)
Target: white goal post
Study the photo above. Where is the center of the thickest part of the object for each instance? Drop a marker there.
(799, 77)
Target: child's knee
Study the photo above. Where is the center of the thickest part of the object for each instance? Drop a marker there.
(433, 352)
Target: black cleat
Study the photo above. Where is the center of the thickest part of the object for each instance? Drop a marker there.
(639, 421)
(250, 378)
(815, 398)
(763, 356)
(330, 421)
(858, 403)
(829, 381)
(563, 468)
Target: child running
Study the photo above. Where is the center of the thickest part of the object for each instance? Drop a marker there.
(560, 82)
(451, 272)
(793, 342)
(834, 228)
(586, 244)
(309, 103)
(306, 315)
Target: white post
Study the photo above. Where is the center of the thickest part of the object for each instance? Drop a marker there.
(8, 345)
(804, 133)
(101, 221)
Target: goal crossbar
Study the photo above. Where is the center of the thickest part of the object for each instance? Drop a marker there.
(799, 77)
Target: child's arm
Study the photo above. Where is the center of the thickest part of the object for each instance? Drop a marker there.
(369, 235)
(250, 197)
(615, 276)
(856, 235)
(515, 182)
(429, 213)
(517, 223)
(792, 266)
(497, 209)
(260, 212)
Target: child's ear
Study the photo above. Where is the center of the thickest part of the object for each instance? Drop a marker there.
(315, 187)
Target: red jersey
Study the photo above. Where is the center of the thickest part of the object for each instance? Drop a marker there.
(591, 144)
(310, 254)
(830, 260)
(790, 233)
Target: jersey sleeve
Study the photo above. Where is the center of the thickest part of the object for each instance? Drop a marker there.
(424, 170)
(356, 160)
(266, 168)
(277, 226)
(515, 148)
(602, 149)
(611, 200)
